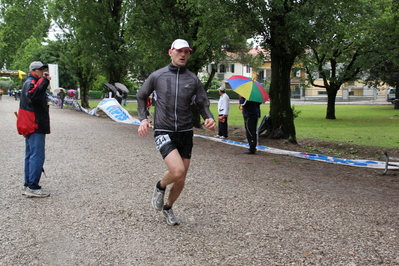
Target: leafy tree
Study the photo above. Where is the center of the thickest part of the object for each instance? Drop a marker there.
(252, 60)
(96, 32)
(30, 50)
(382, 63)
(335, 55)
(56, 52)
(20, 21)
(215, 83)
(287, 28)
(83, 69)
(283, 28)
(202, 23)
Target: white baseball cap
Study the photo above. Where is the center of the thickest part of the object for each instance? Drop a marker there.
(179, 44)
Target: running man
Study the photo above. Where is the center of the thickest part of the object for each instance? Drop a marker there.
(174, 89)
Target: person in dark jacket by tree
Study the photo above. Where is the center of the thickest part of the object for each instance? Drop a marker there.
(174, 89)
(34, 123)
(251, 114)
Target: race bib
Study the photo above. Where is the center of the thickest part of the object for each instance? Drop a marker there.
(161, 140)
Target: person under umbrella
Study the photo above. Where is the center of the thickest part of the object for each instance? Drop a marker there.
(251, 114)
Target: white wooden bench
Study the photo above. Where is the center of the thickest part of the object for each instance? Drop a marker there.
(390, 161)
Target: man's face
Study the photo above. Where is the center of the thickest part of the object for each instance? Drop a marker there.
(179, 57)
(39, 71)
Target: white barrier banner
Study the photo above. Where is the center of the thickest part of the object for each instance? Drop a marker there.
(113, 109)
(317, 157)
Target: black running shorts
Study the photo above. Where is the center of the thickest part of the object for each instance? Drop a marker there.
(166, 142)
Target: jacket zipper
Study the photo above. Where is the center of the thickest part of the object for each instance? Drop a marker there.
(176, 93)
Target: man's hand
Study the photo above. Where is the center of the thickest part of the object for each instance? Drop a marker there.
(210, 124)
(47, 75)
(143, 128)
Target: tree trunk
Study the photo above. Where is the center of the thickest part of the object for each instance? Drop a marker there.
(84, 97)
(196, 114)
(208, 82)
(84, 93)
(280, 92)
(331, 97)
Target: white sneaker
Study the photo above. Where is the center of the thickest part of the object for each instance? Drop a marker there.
(24, 190)
(171, 219)
(36, 193)
(157, 199)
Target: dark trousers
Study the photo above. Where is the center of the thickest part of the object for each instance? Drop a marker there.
(251, 124)
(223, 128)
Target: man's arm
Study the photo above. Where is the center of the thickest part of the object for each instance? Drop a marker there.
(146, 89)
(38, 89)
(210, 124)
(202, 102)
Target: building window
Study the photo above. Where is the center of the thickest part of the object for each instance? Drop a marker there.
(296, 92)
(222, 69)
(248, 69)
(298, 74)
(232, 68)
(261, 76)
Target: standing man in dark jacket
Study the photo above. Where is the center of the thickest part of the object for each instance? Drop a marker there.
(34, 123)
(251, 114)
(174, 89)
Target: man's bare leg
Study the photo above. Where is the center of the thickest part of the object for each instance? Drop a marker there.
(176, 175)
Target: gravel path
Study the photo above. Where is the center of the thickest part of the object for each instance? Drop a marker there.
(235, 210)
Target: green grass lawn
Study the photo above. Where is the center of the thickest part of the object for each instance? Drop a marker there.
(370, 125)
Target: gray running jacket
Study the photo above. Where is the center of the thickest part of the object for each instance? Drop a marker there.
(174, 90)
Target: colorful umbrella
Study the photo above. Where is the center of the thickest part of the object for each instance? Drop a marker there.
(72, 93)
(248, 88)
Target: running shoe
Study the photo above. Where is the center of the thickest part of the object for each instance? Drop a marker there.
(157, 199)
(171, 219)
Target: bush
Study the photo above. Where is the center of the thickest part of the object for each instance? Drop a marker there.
(214, 94)
(96, 94)
(215, 83)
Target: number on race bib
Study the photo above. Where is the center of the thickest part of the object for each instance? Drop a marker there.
(161, 140)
